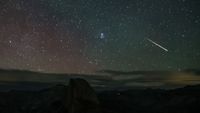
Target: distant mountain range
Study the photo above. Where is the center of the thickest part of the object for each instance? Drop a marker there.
(23, 79)
(149, 72)
(103, 79)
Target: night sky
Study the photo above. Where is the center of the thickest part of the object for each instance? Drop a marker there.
(83, 36)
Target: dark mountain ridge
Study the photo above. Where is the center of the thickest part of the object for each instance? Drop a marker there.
(79, 97)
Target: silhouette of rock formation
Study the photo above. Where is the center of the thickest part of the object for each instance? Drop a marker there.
(81, 98)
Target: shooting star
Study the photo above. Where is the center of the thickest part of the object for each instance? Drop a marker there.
(158, 45)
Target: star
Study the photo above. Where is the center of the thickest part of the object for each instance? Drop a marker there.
(10, 41)
(102, 36)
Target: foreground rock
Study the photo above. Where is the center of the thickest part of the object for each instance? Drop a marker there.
(81, 98)
(78, 97)
(181, 100)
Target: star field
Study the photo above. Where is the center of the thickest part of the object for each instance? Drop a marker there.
(85, 36)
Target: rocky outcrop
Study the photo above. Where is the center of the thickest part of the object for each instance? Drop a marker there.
(77, 97)
(81, 98)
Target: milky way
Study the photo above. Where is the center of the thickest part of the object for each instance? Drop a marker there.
(86, 36)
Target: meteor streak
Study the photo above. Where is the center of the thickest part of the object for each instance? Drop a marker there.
(158, 45)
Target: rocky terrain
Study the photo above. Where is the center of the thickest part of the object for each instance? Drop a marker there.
(182, 100)
(79, 97)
